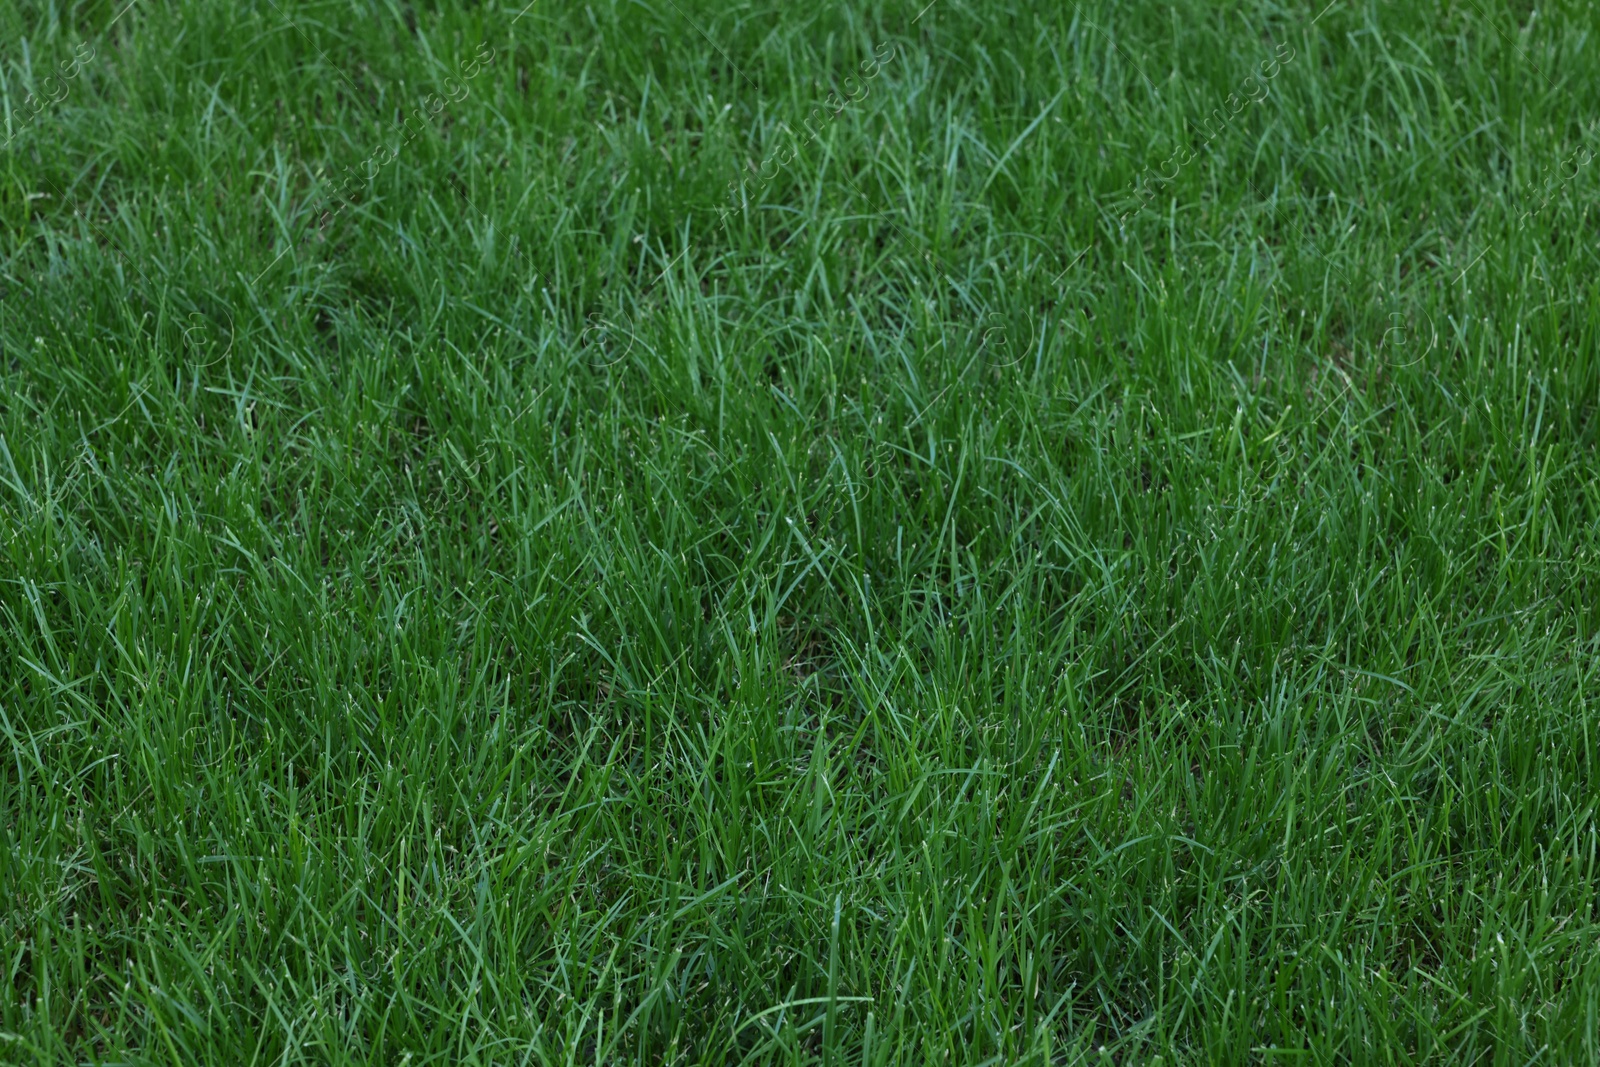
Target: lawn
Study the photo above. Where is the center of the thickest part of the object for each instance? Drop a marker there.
(666, 532)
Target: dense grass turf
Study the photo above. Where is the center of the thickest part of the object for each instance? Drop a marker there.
(481, 590)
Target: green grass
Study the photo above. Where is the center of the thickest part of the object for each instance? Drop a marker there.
(512, 609)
